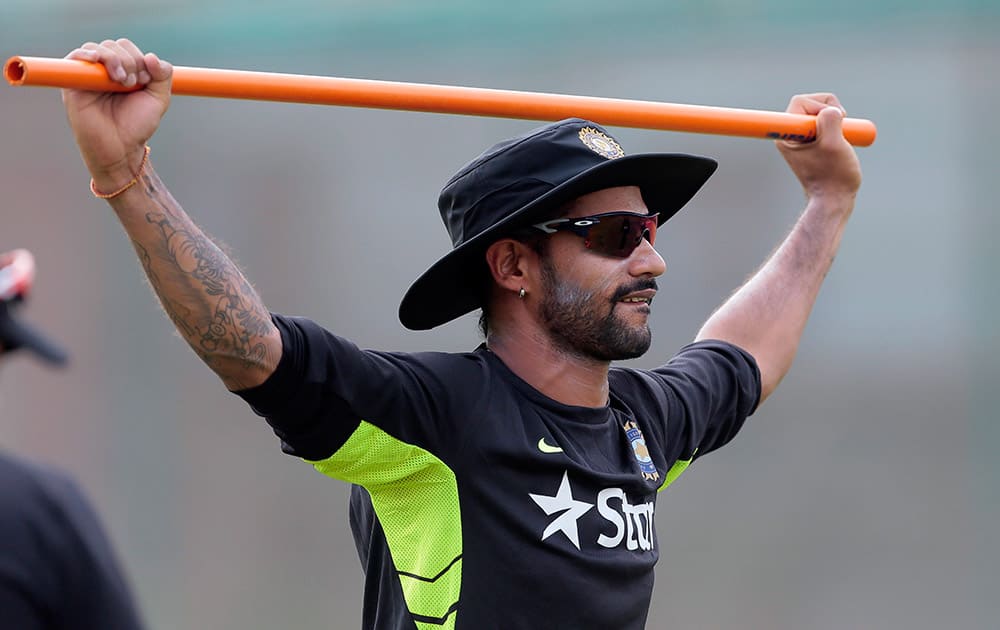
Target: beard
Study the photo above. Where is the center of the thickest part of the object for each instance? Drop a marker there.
(583, 324)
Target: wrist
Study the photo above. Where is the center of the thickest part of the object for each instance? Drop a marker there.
(108, 183)
(832, 202)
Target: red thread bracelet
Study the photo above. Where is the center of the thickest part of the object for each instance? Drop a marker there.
(135, 180)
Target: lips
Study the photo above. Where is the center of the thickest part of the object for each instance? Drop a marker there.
(639, 297)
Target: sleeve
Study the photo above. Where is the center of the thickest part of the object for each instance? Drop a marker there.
(325, 386)
(57, 565)
(703, 395)
(19, 607)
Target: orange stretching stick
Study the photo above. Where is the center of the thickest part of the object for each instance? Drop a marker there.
(445, 99)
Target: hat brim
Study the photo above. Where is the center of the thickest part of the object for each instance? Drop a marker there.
(16, 335)
(449, 288)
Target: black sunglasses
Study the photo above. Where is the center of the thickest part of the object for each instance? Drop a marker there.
(612, 233)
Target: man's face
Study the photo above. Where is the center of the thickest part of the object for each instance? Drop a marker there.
(597, 306)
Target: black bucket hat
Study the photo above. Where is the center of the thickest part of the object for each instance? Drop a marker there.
(17, 274)
(520, 181)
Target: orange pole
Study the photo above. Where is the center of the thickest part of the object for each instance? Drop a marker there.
(445, 99)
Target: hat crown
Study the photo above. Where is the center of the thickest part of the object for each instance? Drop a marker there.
(17, 274)
(515, 172)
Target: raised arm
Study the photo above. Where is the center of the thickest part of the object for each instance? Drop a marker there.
(203, 292)
(767, 315)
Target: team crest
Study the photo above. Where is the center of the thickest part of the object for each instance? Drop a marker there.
(638, 443)
(600, 143)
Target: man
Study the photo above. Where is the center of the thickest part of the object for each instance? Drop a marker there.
(57, 567)
(513, 486)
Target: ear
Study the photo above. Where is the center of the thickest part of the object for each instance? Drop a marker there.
(510, 261)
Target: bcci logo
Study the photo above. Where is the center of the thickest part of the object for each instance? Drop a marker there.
(600, 143)
(638, 443)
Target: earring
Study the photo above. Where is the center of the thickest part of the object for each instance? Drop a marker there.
(521, 293)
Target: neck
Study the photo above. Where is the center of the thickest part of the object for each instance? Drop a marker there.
(562, 376)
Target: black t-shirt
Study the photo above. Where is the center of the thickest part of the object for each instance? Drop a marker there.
(487, 504)
(57, 567)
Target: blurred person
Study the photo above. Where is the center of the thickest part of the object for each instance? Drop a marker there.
(515, 485)
(58, 568)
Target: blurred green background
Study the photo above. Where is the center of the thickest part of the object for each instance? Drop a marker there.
(864, 494)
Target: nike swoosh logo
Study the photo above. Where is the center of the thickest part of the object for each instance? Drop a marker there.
(546, 448)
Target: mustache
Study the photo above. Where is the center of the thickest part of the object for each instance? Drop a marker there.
(638, 285)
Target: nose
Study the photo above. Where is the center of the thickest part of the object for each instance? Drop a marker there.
(646, 261)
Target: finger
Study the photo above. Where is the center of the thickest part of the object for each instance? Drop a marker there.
(141, 74)
(127, 61)
(829, 128)
(158, 69)
(813, 104)
(829, 123)
(833, 100)
(83, 53)
(806, 104)
(91, 51)
(109, 58)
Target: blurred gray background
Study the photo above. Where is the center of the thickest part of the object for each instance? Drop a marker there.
(864, 494)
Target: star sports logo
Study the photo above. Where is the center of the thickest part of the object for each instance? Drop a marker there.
(627, 523)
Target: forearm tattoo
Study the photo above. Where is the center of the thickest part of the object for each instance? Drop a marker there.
(202, 291)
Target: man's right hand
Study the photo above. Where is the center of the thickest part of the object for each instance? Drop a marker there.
(112, 128)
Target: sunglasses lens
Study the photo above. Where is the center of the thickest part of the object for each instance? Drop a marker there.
(619, 235)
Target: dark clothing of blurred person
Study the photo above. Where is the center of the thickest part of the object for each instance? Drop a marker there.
(58, 569)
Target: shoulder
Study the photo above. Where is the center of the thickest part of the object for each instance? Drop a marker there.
(313, 342)
(25, 478)
(457, 363)
(691, 361)
(698, 369)
(36, 500)
(459, 377)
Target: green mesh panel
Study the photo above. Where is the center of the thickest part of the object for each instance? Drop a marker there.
(416, 499)
(675, 471)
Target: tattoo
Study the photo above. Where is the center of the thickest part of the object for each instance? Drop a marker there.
(202, 291)
(179, 314)
(236, 319)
